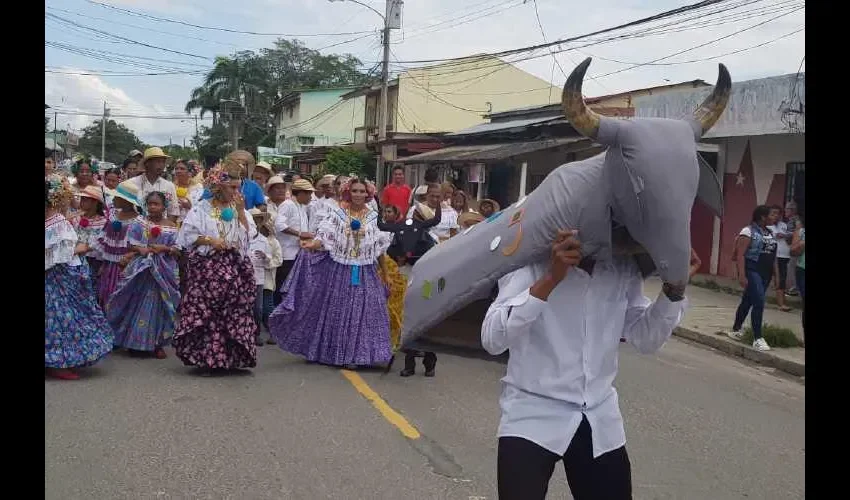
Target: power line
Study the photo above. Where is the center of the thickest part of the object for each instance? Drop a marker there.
(438, 98)
(710, 58)
(91, 72)
(117, 37)
(457, 21)
(135, 26)
(700, 45)
(216, 28)
(531, 48)
(146, 117)
(718, 56)
(452, 67)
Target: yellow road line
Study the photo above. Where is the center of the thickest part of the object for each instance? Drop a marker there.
(383, 408)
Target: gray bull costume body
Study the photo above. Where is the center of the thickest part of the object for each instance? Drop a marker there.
(646, 180)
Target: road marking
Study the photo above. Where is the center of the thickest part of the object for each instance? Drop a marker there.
(383, 408)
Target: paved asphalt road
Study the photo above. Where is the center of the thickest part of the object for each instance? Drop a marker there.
(700, 426)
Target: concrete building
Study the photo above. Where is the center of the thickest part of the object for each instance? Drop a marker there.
(758, 148)
(512, 154)
(451, 96)
(309, 118)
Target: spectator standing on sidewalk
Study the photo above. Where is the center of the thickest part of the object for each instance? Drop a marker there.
(397, 193)
(792, 223)
(798, 249)
(755, 252)
(783, 255)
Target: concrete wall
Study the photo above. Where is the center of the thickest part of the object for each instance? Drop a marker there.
(431, 98)
(309, 118)
(754, 174)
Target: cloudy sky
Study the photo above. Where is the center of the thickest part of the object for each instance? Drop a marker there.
(756, 38)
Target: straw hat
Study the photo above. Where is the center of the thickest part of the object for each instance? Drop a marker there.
(257, 213)
(265, 166)
(276, 179)
(468, 219)
(302, 185)
(152, 153)
(128, 191)
(244, 158)
(425, 211)
(326, 179)
(92, 192)
(493, 202)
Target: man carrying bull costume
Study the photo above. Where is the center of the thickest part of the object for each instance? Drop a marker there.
(562, 318)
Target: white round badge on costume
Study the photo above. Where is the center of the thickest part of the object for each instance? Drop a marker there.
(409, 222)
(495, 243)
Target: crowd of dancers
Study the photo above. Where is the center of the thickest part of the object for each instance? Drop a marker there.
(212, 261)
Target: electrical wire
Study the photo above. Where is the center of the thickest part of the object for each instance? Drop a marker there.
(638, 22)
(452, 68)
(679, 52)
(449, 67)
(128, 40)
(135, 26)
(216, 28)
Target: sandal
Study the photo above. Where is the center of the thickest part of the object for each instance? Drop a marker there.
(785, 309)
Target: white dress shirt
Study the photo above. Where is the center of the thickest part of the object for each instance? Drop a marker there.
(260, 257)
(163, 186)
(290, 214)
(564, 351)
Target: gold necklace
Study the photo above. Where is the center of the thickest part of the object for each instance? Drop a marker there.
(355, 228)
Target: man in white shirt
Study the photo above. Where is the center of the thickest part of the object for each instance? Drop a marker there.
(562, 321)
(783, 255)
(153, 164)
(292, 225)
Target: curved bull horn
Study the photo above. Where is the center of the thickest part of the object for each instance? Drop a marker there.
(585, 121)
(710, 110)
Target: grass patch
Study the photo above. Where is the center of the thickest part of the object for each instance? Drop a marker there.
(776, 336)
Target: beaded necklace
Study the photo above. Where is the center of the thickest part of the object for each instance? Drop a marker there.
(222, 217)
(355, 229)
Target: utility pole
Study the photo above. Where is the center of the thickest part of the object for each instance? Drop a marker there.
(392, 20)
(103, 133)
(55, 114)
(382, 121)
(197, 137)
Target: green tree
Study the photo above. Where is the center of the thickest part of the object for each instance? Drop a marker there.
(119, 141)
(177, 151)
(256, 81)
(347, 161)
(212, 141)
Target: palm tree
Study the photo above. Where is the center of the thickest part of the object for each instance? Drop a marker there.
(205, 101)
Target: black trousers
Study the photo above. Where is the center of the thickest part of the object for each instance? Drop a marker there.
(279, 279)
(524, 469)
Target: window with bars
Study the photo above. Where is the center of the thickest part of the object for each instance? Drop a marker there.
(795, 182)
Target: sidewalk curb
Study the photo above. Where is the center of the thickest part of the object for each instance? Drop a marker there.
(742, 351)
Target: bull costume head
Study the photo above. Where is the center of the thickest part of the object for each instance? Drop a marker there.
(411, 236)
(646, 180)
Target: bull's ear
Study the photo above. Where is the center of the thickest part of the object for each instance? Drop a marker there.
(709, 191)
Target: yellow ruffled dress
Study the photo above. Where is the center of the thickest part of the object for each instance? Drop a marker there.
(396, 282)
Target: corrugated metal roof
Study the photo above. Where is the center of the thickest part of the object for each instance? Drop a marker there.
(490, 152)
(483, 128)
